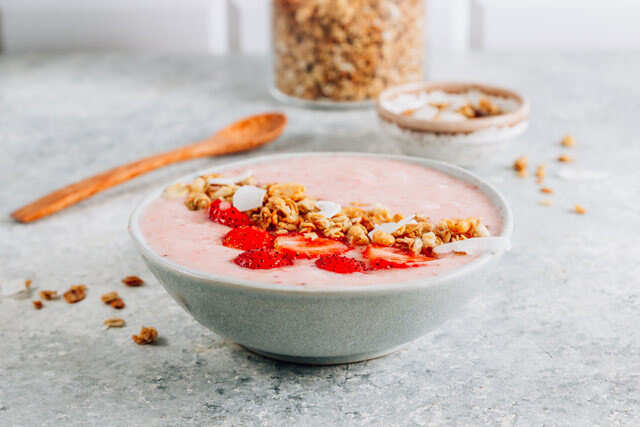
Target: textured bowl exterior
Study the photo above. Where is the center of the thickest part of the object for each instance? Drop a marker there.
(322, 325)
(463, 150)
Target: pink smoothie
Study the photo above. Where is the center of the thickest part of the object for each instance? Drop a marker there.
(189, 238)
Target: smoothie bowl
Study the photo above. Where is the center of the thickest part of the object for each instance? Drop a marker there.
(323, 258)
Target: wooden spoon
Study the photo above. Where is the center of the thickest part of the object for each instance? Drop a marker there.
(243, 135)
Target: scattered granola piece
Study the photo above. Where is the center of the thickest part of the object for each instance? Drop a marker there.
(568, 141)
(37, 304)
(146, 335)
(565, 159)
(48, 295)
(546, 190)
(133, 281)
(117, 303)
(520, 166)
(546, 202)
(541, 172)
(114, 322)
(580, 210)
(76, 293)
(108, 297)
(27, 283)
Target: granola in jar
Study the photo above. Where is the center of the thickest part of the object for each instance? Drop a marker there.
(345, 51)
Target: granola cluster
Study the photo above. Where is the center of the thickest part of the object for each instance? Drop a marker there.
(288, 208)
(147, 335)
(346, 50)
(113, 299)
(200, 193)
(76, 293)
(483, 108)
(132, 281)
(114, 322)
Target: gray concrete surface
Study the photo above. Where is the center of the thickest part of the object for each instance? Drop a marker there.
(554, 340)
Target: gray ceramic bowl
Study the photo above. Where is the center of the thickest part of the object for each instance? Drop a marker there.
(322, 325)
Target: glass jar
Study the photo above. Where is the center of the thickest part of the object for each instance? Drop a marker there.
(343, 53)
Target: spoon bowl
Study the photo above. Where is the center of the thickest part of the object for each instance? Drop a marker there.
(245, 134)
(260, 126)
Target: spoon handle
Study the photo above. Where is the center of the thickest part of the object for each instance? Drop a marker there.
(246, 134)
(72, 194)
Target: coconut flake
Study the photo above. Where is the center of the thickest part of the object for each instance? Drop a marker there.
(248, 197)
(390, 227)
(328, 209)
(475, 245)
(232, 179)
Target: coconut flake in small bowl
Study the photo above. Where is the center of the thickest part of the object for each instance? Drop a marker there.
(462, 123)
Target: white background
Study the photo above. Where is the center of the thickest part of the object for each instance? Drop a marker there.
(221, 26)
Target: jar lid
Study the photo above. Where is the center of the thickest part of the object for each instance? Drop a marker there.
(417, 96)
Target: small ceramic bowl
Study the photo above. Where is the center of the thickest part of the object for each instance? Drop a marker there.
(322, 325)
(464, 143)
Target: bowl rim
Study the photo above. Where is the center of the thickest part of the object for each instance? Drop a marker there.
(388, 287)
(513, 118)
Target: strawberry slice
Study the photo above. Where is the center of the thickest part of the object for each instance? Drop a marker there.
(384, 257)
(248, 237)
(298, 246)
(223, 212)
(340, 264)
(262, 259)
